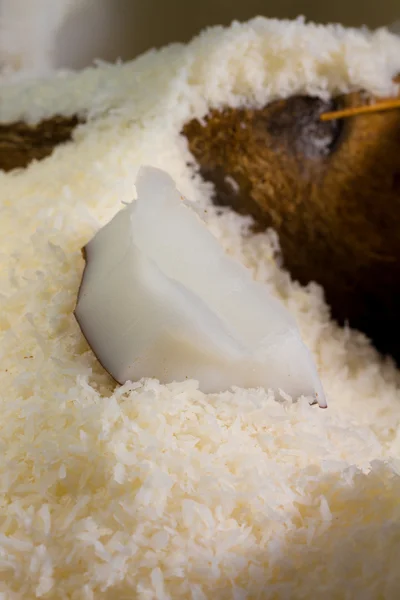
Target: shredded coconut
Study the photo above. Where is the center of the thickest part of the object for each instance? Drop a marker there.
(158, 491)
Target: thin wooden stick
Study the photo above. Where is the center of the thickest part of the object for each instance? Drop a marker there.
(360, 110)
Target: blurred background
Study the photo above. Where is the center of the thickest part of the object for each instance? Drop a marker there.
(39, 35)
(125, 28)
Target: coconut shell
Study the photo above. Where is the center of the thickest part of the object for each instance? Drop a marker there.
(21, 143)
(331, 190)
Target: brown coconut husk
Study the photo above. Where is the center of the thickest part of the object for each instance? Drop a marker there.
(331, 190)
(21, 143)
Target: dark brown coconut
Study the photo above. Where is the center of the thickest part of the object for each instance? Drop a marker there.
(331, 190)
(20, 143)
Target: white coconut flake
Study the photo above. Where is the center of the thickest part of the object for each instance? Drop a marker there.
(162, 490)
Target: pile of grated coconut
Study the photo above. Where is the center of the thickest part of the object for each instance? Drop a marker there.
(159, 491)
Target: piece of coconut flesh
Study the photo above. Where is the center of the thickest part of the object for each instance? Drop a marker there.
(159, 298)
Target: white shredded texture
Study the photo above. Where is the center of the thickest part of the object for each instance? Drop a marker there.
(159, 491)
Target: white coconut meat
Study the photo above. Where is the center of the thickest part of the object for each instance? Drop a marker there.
(160, 298)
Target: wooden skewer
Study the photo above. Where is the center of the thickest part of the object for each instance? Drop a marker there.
(360, 110)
